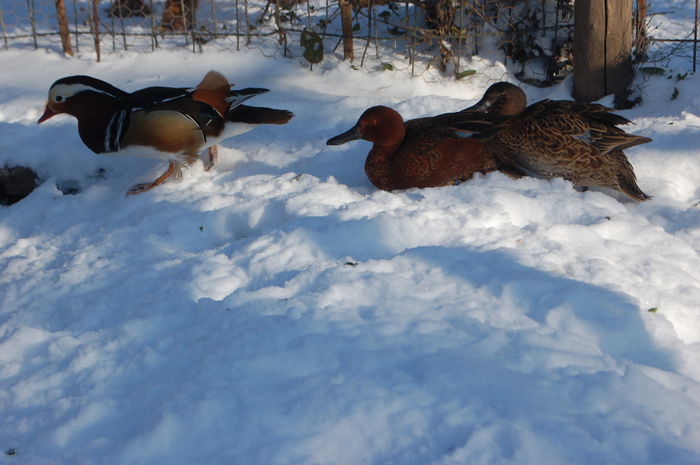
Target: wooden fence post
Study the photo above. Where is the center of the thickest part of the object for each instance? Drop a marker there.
(602, 48)
(695, 37)
(62, 18)
(346, 20)
(641, 42)
(96, 27)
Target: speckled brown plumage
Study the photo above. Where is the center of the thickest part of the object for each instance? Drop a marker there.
(426, 152)
(578, 142)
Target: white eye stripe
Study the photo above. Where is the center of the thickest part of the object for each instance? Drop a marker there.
(68, 90)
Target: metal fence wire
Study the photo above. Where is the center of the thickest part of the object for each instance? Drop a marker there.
(536, 36)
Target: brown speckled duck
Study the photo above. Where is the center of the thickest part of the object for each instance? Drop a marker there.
(424, 152)
(557, 138)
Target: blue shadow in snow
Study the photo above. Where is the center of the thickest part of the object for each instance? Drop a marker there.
(611, 315)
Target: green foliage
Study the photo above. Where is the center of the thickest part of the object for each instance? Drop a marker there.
(465, 73)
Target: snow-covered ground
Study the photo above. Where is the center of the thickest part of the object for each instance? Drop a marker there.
(281, 310)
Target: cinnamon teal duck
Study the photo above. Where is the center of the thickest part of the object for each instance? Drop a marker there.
(168, 123)
(424, 152)
(575, 141)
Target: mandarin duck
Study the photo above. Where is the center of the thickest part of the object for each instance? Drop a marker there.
(558, 138)
(173, 124)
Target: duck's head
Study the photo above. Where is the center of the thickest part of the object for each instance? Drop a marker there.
(380, 125)
(502, 99)
(70, 94)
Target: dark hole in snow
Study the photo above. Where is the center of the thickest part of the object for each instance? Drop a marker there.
(69, 187)
(16, 182)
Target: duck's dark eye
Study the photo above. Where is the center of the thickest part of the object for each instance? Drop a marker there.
(58, 98)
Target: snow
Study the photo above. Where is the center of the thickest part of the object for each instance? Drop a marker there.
(279, 309)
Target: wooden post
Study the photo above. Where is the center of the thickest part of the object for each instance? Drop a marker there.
(75, 26)
(346, 20)
(247, 22)
(63, 27)
(4, 32)
(96, 26)
(695, 38)
(32, 19)
(602, 48)
(641, 43)
(154, 35)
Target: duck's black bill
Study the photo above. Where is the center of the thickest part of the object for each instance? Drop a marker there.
(347, 136)
(481, 105)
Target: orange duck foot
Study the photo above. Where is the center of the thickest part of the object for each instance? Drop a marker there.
(213, 154)
(144, 187)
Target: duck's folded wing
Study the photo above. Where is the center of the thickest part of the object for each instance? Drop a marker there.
(463, 122)
(151, 96)
(478, 124)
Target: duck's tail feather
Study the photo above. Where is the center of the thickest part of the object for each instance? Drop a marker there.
(626, 179)
(259, 115)
(628, 185)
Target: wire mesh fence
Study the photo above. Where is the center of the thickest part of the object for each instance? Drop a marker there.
(535, 36)
(676, 36)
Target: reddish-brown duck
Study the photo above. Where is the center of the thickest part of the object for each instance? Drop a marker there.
(425, 152)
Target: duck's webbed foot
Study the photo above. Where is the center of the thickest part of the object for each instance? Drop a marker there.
(172, 171)
(213, 156)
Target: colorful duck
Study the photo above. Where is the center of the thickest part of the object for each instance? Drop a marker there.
(172, 124)
(557, 138)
